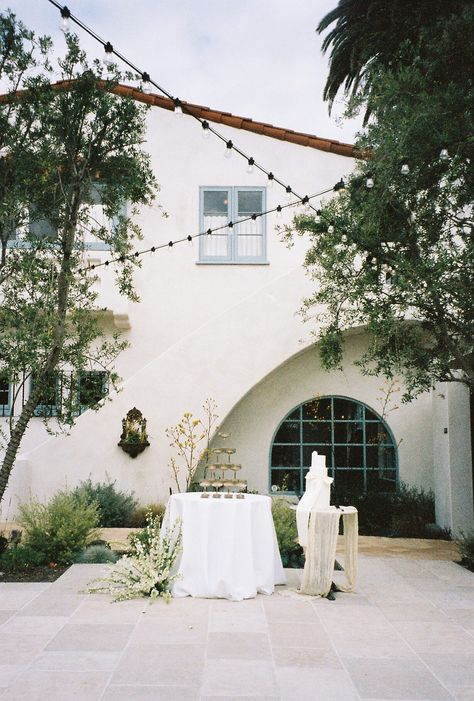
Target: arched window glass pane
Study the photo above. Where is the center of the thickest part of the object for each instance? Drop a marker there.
(359, 449)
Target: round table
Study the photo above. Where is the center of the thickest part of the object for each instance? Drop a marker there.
(230, 548)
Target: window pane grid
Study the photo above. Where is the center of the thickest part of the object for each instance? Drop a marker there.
(361, 452)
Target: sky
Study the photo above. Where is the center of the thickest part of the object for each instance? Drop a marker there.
(255, 58)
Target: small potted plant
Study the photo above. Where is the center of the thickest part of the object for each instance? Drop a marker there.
(134, 438)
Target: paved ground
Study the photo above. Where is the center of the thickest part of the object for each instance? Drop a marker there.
(408, 633)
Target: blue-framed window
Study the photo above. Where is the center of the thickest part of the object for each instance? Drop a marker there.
(43, 229)
(5, 397)
(92, 387)
(50, 396)
(234, 243)
(360, 450)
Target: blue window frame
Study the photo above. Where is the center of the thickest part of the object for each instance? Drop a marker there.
(5, 397)
(49, 401)
(237, 243)
(92, 388)
(359, 447)
(42, 229)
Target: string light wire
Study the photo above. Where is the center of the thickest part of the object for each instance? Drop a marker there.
(177, 102)
(208, 232)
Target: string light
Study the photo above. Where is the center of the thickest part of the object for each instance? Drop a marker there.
(340, 186)
(288, 193)
(278, 210)
(271, 178)
(108, 53)
(317, 218)
(250, 167)
(444, 154)
(331, 228)
(146, 85)
(369, 183)
(228, 149)
(178, 109)
(405, 169)
(206, 132)
(162, 90)
(65, 25)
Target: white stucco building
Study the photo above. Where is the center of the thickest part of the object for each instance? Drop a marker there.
(219, 319)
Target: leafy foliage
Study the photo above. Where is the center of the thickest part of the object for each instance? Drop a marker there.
(60, 528)
(397, 258)
(369, 34)
(68, 145)
(405, 513)
(139, 518)
(96, 554)
(148, 571)
(191, 438)
(19, 557)
(284, 519)
(116, 508)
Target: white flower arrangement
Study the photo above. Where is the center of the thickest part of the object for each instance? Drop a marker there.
(148, 570)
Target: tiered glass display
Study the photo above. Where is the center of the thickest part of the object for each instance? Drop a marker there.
(217, 477)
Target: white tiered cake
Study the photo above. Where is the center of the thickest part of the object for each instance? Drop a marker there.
(317, 494)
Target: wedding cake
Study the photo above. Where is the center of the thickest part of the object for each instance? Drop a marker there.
(316, 496)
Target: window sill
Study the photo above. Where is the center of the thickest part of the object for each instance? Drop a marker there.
(232, 262)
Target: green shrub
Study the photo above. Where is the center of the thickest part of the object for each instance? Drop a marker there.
(60, 528)
(116, 508)
(139, 518)
(284, 519)
(96, 554)
(466, 548)
(21, 558)
(404, 513)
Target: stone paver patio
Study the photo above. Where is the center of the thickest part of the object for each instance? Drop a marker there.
(408, 633)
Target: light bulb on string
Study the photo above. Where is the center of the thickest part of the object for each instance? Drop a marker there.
(146, 84)
(178, 110)
(206, 132)
(405, 169)
(331, 228)
(189, 239)
(306, 205)
(65, 24)
(170, 246)
(271, 178)
(209, 233)
(108, 55)
(444, 154)
(317, 217)
(369, 183)
(228, 149)
(340, 186)
(289, 192)
(278, 211)
(250, 166)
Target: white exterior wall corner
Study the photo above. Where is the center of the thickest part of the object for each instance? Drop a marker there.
(452, 462)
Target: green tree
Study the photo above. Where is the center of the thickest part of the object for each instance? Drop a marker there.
(369, 34)
(68, 144)
(394, 252)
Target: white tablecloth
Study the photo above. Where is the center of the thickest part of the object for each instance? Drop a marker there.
(230, 548)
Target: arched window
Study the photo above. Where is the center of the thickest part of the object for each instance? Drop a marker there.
(358, 445)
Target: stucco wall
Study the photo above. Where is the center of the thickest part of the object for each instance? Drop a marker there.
(253, 422)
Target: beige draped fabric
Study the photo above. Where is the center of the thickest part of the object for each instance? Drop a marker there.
(321, 551)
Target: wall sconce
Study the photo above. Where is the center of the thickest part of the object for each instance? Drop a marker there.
(134, 438)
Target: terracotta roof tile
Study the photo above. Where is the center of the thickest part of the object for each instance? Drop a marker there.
(231, 120)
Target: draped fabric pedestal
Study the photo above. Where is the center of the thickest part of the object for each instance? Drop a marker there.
(230, 548)
(321, 550)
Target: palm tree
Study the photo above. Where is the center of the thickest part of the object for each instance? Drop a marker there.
(370, 33)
